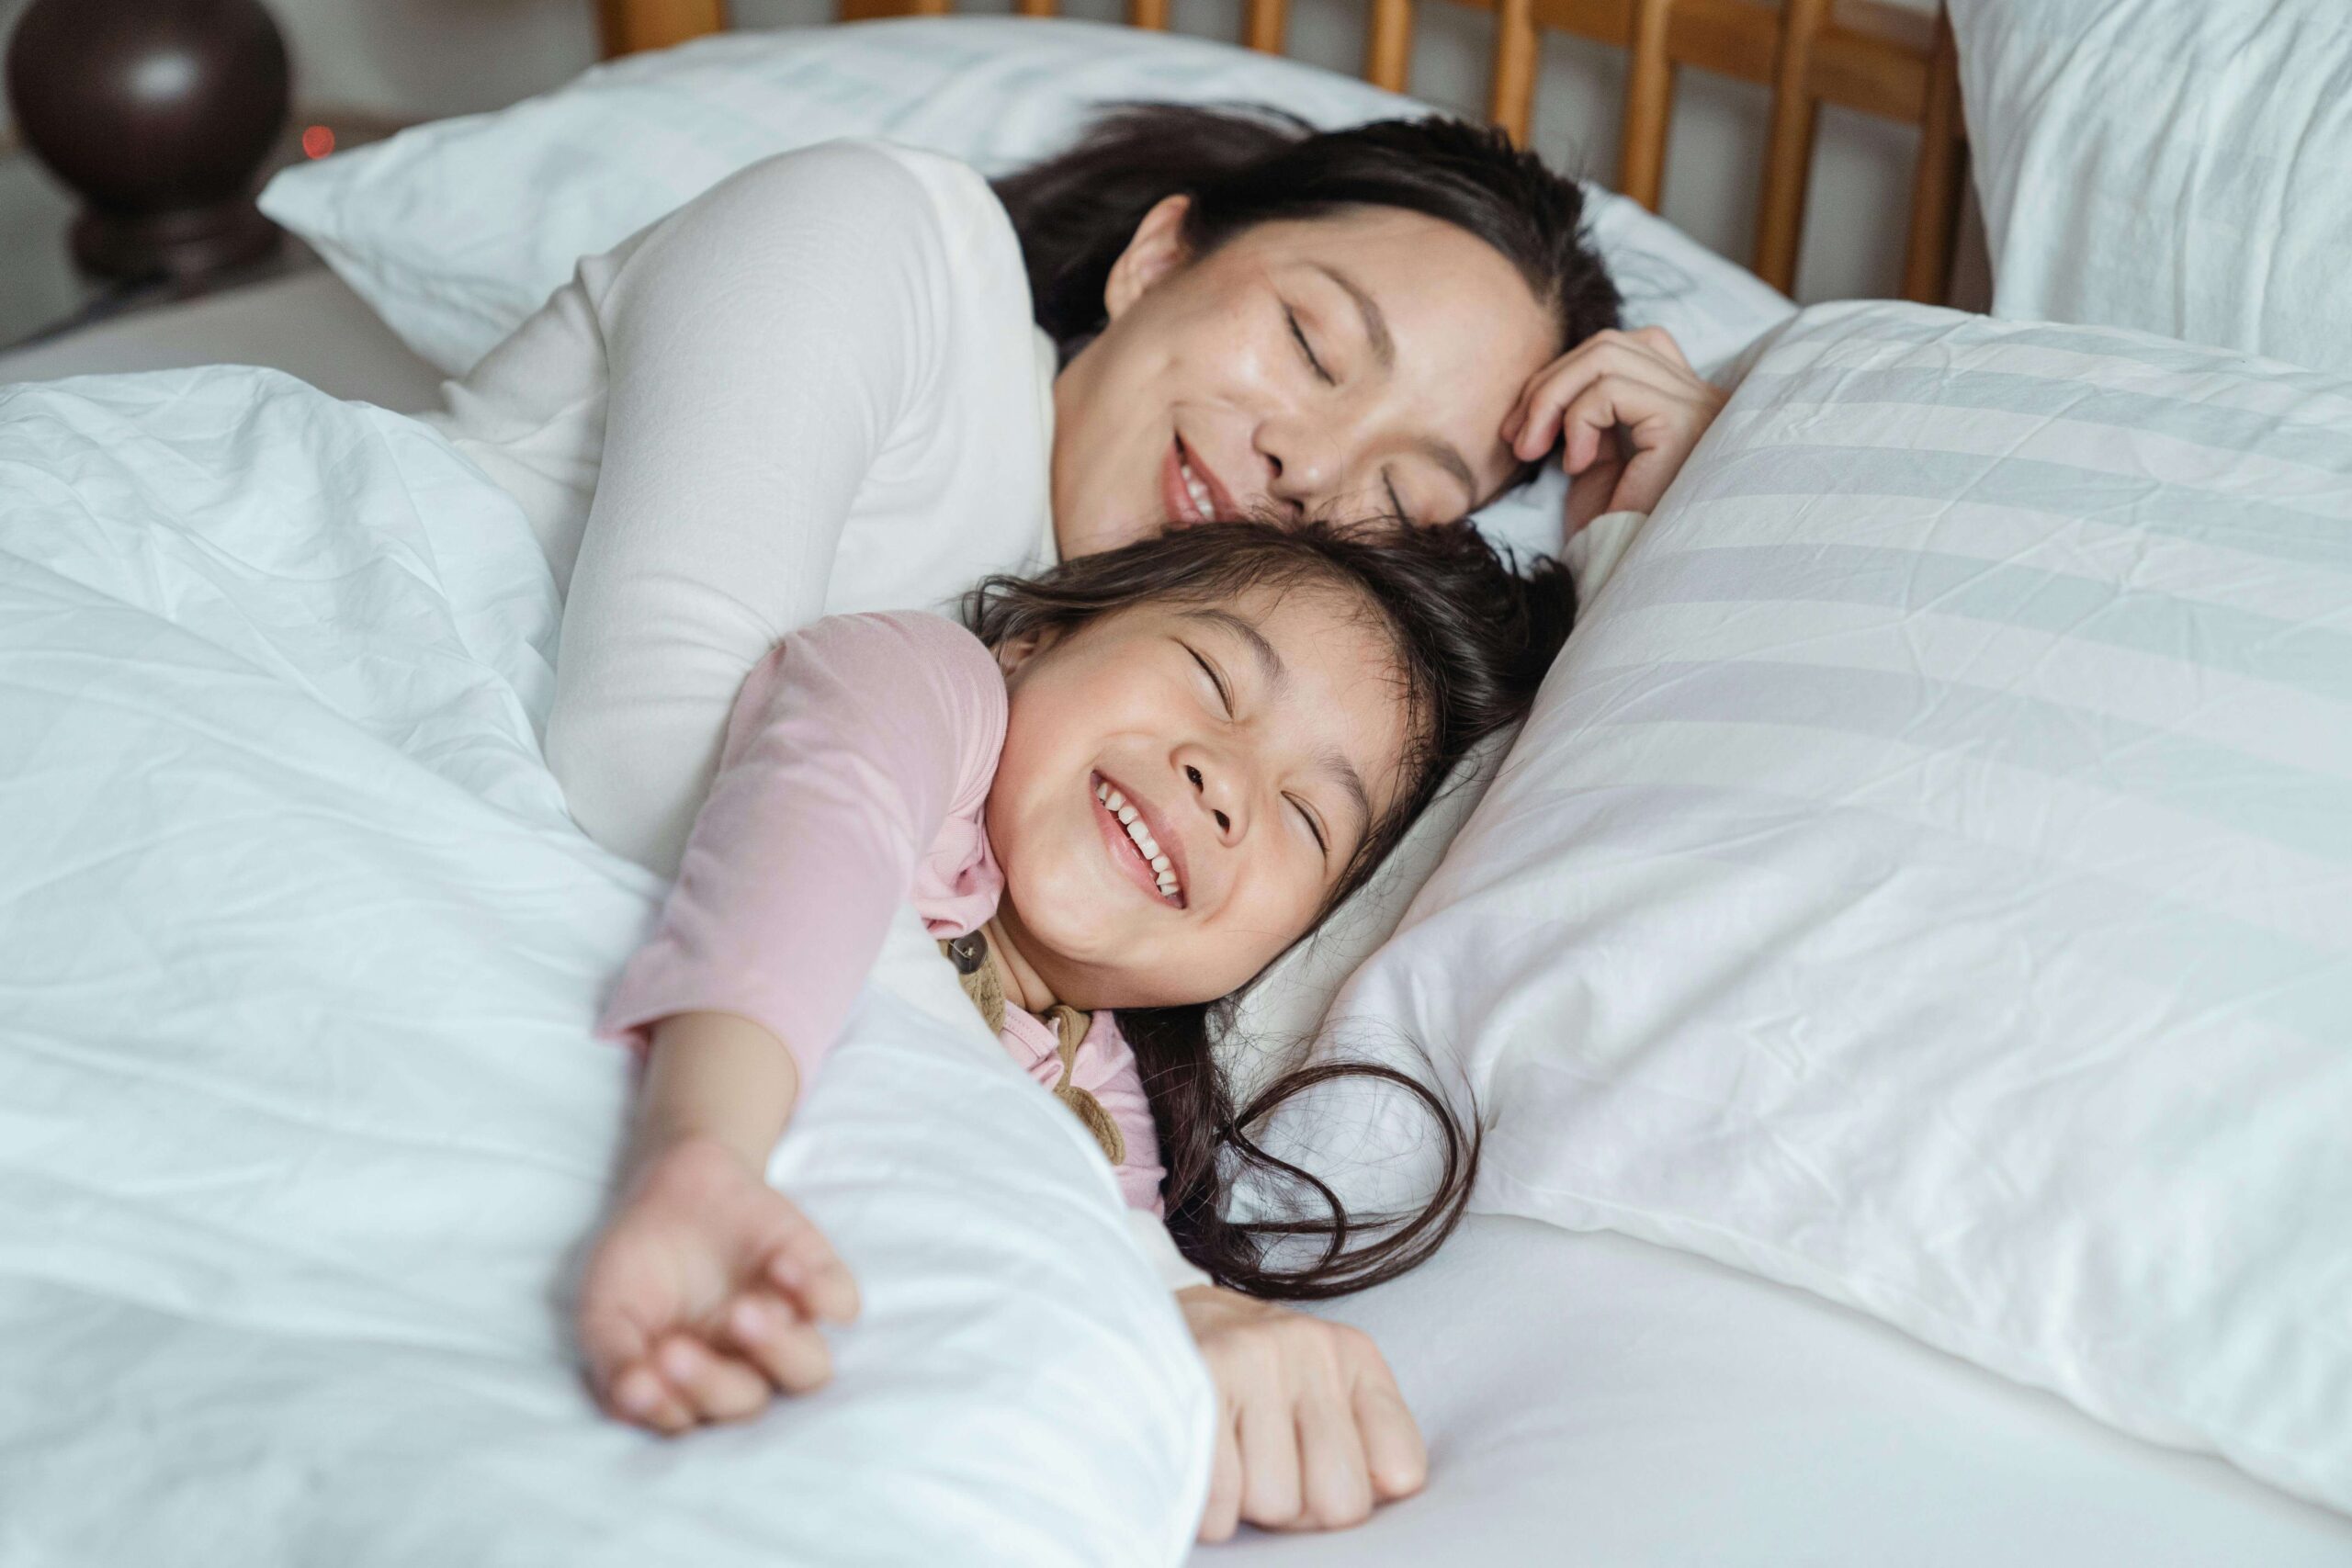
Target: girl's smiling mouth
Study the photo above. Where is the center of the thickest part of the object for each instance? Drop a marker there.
(1127, 827)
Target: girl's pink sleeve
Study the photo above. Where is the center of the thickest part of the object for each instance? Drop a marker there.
(857, 763)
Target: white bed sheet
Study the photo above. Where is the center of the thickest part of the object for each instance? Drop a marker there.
(1595, 1400)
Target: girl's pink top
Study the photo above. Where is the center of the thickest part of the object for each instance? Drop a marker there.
(857, 763)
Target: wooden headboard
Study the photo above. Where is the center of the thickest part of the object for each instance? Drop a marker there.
(1871, 55)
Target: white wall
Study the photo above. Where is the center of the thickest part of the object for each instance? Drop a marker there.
(418, 58)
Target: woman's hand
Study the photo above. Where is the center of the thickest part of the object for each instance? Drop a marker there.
(1311, 1431)
(702, 1298)
(1630, 408)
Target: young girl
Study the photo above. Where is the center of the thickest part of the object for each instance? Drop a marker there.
(1147, 774)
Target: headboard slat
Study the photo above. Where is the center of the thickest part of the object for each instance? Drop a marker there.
(1940, 179)
(628, 26)
(1511, 100)
(1266, 25)
(1877, 56)
(1788, 148)
(1388, 45)
(1649, 104)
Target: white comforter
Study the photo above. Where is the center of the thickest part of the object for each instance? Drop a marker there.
(300, 1117)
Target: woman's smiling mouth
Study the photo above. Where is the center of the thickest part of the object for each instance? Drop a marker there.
(1134, 846)
(1190, 490)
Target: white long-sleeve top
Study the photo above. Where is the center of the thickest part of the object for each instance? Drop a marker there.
(816, 388)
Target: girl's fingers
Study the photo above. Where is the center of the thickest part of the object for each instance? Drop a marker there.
(640, 1395)
(1222, 1516)
(770, 1334)
(610, 1340)
(807, 1269)
(1270, 1480)
(714, 1387)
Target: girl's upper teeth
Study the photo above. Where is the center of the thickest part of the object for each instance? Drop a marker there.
(1163, 869)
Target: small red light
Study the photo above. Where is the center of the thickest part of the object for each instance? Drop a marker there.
(317, 142)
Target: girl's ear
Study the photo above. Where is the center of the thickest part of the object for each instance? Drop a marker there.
(1156, 250)
(1013, 653)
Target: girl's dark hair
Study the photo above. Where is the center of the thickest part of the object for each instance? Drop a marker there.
(1245, 165)
(1472, 640)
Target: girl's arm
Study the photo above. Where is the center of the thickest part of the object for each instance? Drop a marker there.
(854, 769)
(854, 772)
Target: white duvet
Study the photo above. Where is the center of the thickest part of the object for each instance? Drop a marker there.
(301, 1119)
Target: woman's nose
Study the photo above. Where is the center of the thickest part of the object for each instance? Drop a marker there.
(1215, 792)
(1303, 469)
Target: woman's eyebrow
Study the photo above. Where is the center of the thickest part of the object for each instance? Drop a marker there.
(1446, 456)
(1375, 324)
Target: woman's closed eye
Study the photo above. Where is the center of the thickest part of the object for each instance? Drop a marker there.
(1396, 506)
(1306, 349)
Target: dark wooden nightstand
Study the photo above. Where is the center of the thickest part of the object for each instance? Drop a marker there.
(43, 296)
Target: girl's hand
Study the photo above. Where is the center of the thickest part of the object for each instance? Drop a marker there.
(702, 1298)
(1631, 409)
(1311, 1431)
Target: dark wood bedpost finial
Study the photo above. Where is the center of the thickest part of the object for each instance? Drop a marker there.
(159, 114)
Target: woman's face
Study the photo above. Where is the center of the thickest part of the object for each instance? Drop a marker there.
(1182, 787)
(1352, 365)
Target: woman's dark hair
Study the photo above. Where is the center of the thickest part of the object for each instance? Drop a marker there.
(1472, 640)
(1246, 166)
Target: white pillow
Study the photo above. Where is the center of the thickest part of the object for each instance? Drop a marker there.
(455, 231)
(1927, 877)
(302, 1111)
(2182, 166)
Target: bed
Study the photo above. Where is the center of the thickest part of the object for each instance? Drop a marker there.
(1620, 1402)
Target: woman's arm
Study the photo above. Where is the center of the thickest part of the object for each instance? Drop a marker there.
(1627, 409)
(762, 346)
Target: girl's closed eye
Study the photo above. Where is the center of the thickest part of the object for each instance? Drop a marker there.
(1307, 815)
(1216, 678)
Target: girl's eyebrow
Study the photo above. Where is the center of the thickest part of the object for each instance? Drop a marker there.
(1333, 763)
(1343, 773)
(1269, 657)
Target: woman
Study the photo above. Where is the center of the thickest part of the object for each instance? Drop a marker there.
(855, 378)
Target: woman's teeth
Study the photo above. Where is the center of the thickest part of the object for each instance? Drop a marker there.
(1131, 820)
(1196, 489)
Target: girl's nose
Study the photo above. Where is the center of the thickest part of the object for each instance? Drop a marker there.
(1215, 792)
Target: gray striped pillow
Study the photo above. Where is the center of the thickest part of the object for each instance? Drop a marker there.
(1927, 877)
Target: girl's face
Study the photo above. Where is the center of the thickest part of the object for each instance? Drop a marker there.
(1354, 365)
(1250, 747)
